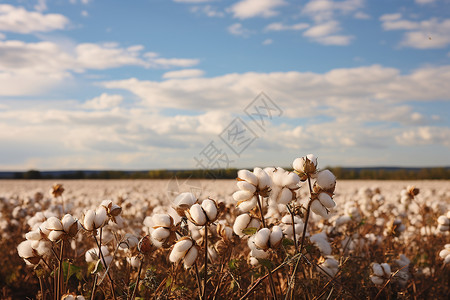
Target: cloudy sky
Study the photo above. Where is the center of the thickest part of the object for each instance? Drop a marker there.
(143, 84)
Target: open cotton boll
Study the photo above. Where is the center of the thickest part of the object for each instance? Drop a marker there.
(54, 223)
(242, 195)
(185, 199)
(190, 257)
(386, 268)
(376, 280)
(55, 235)
(197, 215)
(67, 222)
(33, 235)
(248, 205)
(248, 176)
(319, 209)
(255, 251)
(160, 234)
(246, 186)
(261, 238)
(162, 220)
(241, 223)
(278, 176)
(377, 270)
(263, 179)
(285, 196)
(276, 236)
(326, 180)
(183, 245)
(326, 200)
(101, 217)
(321, 241)
(25, 250)
(210, 208)
(290, 180)
(89, 218)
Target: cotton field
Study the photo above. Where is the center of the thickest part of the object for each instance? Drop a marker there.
(270, 234)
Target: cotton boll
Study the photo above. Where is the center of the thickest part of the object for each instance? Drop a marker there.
(278, 176)
(386, 268)
(248, 176)
(197, 215)
(321, 241)
(276, 236)
(376, 280)
(33, 235)
(54, 223)
(210, 208)
(261, 238)
(247, 205)
(134, 261)
(246, 186)
(160, 234)
(319, 209)
(162, 220)
(285, 196)
(44, 247)
(263, 179)
(241, 223)
(25, 250)
(183, 245)
(187, 199)
(326, 200)
(55, 235)
(326, 180)
(89, 219)
(377, 270)
(190, 257)
(291, 180)
(101, 217)
(242, 195)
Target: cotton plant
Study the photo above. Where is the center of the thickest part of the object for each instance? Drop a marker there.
(444, 222)
(380, 273)
(186, 250)
(445, 254)
(262, 241)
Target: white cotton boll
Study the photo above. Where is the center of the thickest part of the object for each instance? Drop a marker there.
(326, 200)
(299, 164)
(135, 262)
(278, 176)
(331, 263)
(89, 219)
(106, 203)
(242, 195)
(119, 221)
(160, 234)
(246, 186)
(263, 179)
(33, 235)
(161, 220)
(254, 250)
(444, 253)
(386, 268)
(376, 280)
(197, 214)
(341, 220)
(44, 247)
(67, 222)
(254, 223)
(276, 236)
(285, 196)
(447, 259)
(254, 261)
(247, 205)
(319, 209)
(262, 238)
(91, 255)
(248, 176)
(210, 208)
(25, 250)
(241, 223)
(54, 223)
(55, 235)
(185, 199)
(183, 245)
(326, 180)
(101, 217)
(443, 220)
(321, 242)
(377, 270)
(290, 180)
(190, 257)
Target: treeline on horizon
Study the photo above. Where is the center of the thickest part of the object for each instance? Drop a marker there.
(373, 173)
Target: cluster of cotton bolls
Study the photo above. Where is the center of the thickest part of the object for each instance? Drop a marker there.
(445, 254)
(381, 273)
(444, 222)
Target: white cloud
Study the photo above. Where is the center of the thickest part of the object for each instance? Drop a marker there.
(41, 5)
(425, 135)
(84, 13)
(187, 73)
(245, 9)
(267, 42)
(208, 10)
(361, 16)
(422, 2)
(427, 34)
(19, 20)
(104, 101)
(323, 10)
(239, 30)
(280, 26)
(323, 29)
(28, 68)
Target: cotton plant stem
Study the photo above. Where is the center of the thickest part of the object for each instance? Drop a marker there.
(104, 265)
(205, 278)
(302, 243)
(137, 280)
(271, 284)
(293, 227)
(198, 281)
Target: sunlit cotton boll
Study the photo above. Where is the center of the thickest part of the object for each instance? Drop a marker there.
(381, 272)
(248, 205)
(263, 179)
(248, 176)
(445, 254)
(319, 209)
(306, 164)
(183, 201)
(443, 223)
(245, 221)
(210, 208)
(326, 180)
(196, 215)
(184, 249)
(329, 267)
(93, 255)
(326, 200)
(321, 241)
(256, 251)
(288, 230)
(27, 253)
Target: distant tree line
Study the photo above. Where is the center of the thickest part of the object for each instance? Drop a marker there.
(231, 173)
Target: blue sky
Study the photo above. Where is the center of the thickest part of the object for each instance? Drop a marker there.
(90, 84)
